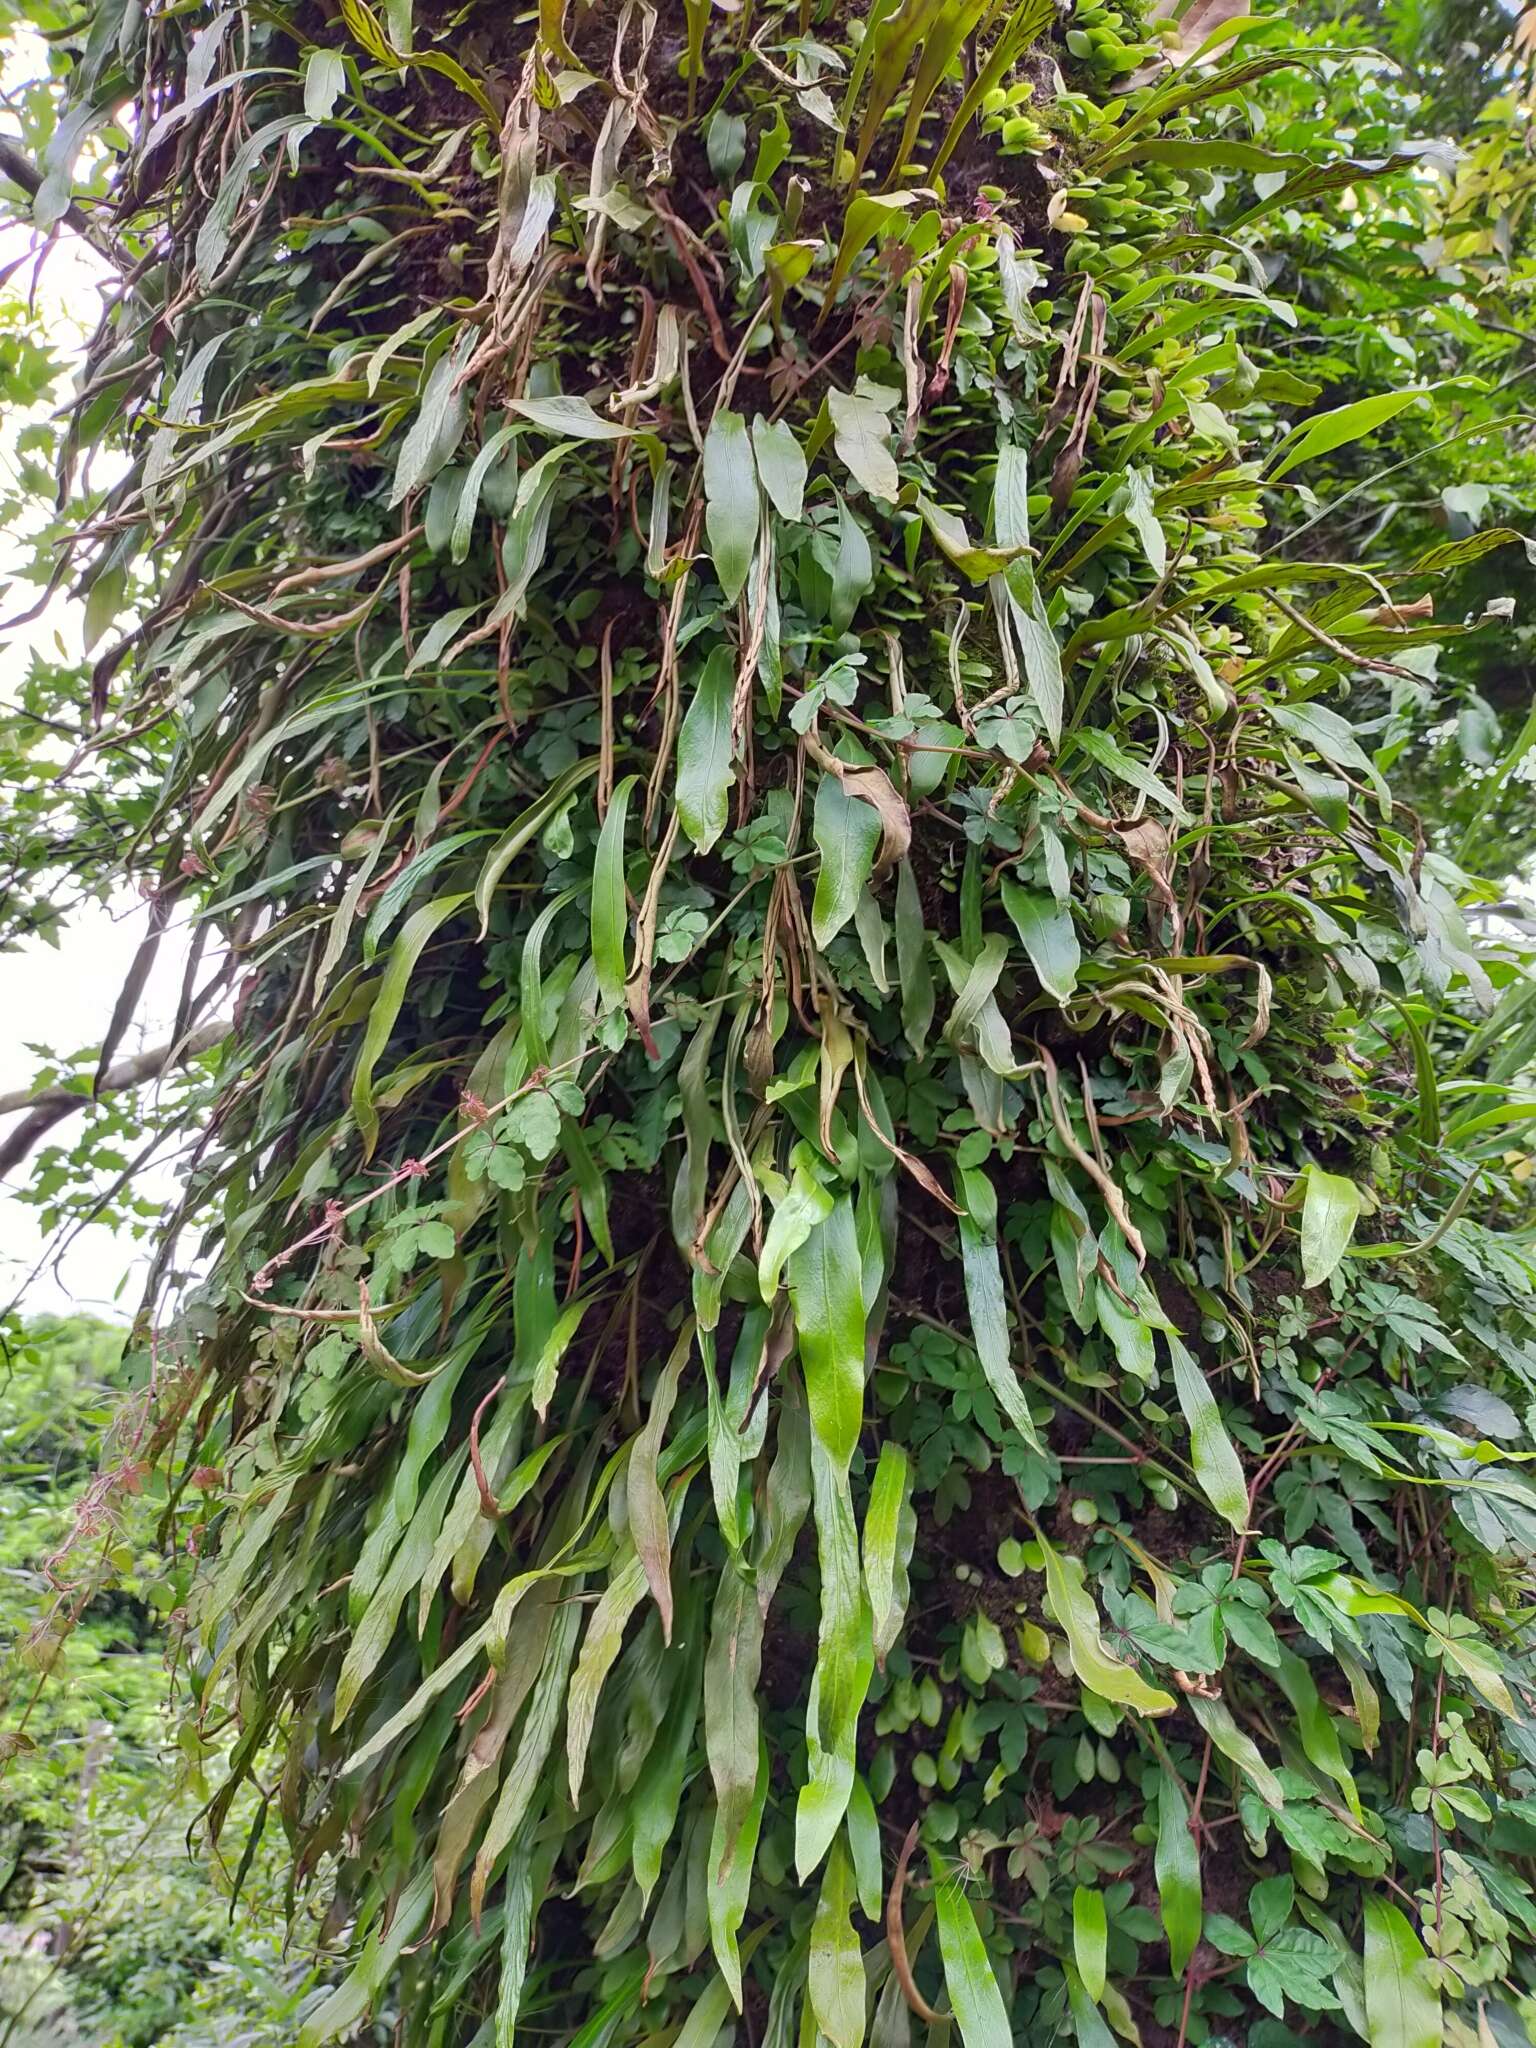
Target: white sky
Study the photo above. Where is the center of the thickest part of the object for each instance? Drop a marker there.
(61, 997)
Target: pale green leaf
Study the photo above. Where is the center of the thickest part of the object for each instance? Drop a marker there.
(1402, 2006)
(781, 466)
(1330, 1210)
(730, 500)
(648, 1524)
(829, 1324)
(861, 436)
(804, 1204)
(1070, 1602)
(1216, 1718)
(571, 418)
(1141, 511)
(836, 1977)
(889, 1529)
(325, 77)
(1049, 936)
(985, 1300)
(1212, 1453)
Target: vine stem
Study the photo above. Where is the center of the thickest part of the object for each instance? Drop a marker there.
(410, 1169)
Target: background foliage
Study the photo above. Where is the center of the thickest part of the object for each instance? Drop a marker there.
(112, 1931)
(839, 683)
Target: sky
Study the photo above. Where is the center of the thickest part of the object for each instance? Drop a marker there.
(61, 997)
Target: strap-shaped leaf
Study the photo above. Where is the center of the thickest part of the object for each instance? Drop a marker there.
(704, 773)
(1069, 1601)
(1177, 1865)
(610, 915)
(1212, 1453)
(968, 1974)
(730, 500)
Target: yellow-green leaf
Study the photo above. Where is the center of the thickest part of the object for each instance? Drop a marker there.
(1070, 1602)
(1177, 1865)
(836, 1975)
(1325, 431)
(889, 1528)
(1217, 1465)
(1215, 1717)
(1090, 1938)
(829, 1324)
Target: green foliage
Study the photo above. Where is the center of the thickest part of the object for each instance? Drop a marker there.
(870, 1174)
(113, 1933)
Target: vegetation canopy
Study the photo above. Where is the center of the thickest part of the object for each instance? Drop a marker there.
(827, 688)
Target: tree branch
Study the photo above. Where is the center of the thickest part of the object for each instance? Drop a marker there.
(20, 169)
(49, 1106)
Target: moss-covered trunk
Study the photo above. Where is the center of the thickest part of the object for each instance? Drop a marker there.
(830, 1196)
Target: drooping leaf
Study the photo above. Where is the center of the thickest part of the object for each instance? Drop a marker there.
(848, 833)
(861, 434)
(704, 771)
(730, 500)
(610, 917)
(829, 1324)
(647, 1505)
(439, 423)
(1178, 1873)
(1049, 937)
(1070, 1602)
(387, 1003)
(1217, 1465)
(889, 1527)
(985, 1300)
(1141, 511)
(569, 418)
(836, 1976)
(781, 466)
